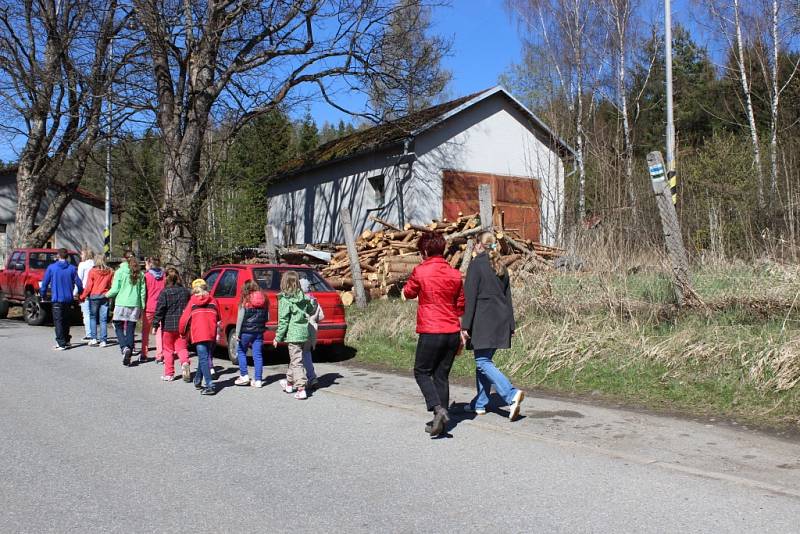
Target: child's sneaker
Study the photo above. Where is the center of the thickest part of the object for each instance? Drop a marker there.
(93, 343)
(208, 391)
(242, 380)
(313, 384)
(256, 383)
(301, 394)
(287, 386)
(168, 378)
(186, 372)
(103, 344)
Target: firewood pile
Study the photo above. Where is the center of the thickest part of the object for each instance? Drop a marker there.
(388, 256)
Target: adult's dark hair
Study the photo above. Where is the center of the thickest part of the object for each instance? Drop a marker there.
(62, 253)
(431, 244)
(155, 261)
(173, 277)
(128, 254)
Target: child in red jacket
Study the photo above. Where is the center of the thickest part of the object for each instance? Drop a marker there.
(201, 318)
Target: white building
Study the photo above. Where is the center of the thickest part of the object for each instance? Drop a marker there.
(81, 223)
(436, 158)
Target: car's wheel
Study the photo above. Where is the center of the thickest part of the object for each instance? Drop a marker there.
(35, 314)
(4, 306)
(233, 356)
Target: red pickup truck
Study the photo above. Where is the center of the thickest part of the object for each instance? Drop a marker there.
(21, 279)
(225, 285)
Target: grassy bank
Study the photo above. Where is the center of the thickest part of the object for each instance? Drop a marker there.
(620, 337)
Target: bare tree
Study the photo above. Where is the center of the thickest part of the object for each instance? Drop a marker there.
(229, 61)
(409, 74)
(728, 14)
(566, 29)
(54, 75)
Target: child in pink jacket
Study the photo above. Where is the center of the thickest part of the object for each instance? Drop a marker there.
(154, 281)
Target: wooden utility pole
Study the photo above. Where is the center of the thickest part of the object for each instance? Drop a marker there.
(269, 243)
(485, 199)
(672, 231)
(467, 255)
(352, 253)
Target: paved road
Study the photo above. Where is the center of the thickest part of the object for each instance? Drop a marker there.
(87, 445)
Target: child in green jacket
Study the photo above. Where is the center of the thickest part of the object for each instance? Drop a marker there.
(294, 309)
(128, 292)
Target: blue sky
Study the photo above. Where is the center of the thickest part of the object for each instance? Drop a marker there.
(485, 43)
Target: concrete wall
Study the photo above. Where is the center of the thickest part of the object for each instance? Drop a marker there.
(492, 137)
(81, 223)
(305, 208)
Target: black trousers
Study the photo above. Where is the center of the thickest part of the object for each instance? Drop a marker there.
(61, 322)
(435, 355)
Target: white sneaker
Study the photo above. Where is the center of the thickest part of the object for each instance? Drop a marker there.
(242, 380)
(168, 378)
(515, 405)
(59, 347)
(286, 386)
(103, 344)
(256, 383)
(301, 394)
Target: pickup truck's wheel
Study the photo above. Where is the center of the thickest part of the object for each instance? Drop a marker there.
(4, 306)
(33, 311)
(233, 355)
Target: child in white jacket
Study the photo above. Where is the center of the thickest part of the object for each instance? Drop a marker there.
(313, 326)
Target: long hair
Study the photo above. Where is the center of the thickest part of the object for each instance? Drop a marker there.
(133, 265)
(489, 241)
(248, 289)
(100, 263)
(290, 283)
(173, 277)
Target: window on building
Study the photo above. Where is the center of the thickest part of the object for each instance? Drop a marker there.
(378, 185)
(2, 228)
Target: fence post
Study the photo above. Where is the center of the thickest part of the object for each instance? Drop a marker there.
(672, 230)
(352, 253)
(485, 199)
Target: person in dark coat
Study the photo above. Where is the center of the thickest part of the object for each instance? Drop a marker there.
(488, 324)
(441, 302)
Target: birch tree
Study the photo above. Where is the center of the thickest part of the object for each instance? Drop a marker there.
(233, 60)
(54, 76)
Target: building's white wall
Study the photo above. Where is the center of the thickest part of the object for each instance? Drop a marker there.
(491, 137)
(309, 203)
(81, 223)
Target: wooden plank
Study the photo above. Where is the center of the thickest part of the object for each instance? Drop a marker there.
(355, 264)
(485, 201)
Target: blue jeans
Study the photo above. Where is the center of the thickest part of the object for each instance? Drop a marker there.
(98, 312)
(125, 334)
(86, 311)
(203, 367)
(248, 340)
(487, 375)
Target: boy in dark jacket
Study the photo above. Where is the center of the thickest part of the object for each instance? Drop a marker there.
(168, 310)
(201, 318)
(62, 278)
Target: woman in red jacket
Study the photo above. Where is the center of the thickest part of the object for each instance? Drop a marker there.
(440, 291)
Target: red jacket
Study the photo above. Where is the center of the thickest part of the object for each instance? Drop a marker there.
(155, 281)
(202, 315)
(441, 296)
(98, 283)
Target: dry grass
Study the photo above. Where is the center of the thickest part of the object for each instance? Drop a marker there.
(620, 335)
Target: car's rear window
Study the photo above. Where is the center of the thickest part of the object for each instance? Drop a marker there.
(270, 279)
(41, 260)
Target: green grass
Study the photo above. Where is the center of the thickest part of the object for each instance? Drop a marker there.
(620, 339)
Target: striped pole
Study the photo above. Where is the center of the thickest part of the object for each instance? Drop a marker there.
(673, 185)
(106, 242)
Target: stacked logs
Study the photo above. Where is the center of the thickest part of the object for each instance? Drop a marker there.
(388, 256)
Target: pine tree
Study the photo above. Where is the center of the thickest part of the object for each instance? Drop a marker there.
(308, 135)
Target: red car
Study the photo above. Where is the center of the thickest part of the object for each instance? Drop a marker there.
(225, 285)
(21, 279)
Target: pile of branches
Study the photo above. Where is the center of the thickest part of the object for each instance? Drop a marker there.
(388, 256)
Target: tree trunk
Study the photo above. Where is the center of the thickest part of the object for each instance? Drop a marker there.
(773, 142)
(29, 200)
(751, 120)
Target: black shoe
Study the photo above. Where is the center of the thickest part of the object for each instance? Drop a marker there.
(126, 356)
(428, 426)
(198, 385)
(208, 391)
(143, 359)
(439, 422)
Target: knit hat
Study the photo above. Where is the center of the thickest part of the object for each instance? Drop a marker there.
(199, 284)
